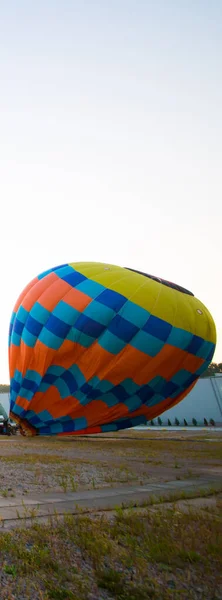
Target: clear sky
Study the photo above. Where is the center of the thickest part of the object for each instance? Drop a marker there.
(111, 142)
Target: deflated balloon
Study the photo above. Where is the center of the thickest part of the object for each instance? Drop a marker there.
(96, 348)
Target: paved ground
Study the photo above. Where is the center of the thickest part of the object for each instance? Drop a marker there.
(15, 510)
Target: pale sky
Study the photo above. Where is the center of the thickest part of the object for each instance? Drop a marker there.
(111, 142)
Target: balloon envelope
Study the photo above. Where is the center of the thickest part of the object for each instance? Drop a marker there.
(96, 348)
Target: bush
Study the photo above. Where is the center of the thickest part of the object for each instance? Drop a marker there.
(185, 422)
(177, 422)
(194, 421)
(169, 423)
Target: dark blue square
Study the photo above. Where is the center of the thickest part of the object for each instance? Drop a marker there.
(123, 329)
(89, 326)
(33, 326)
(68, 426)
(169, 388)
(15, 386)
(112, 299)
(29, 384)
(158, 328)
(70, 381)
(94, 394)
(74, 278)
(86, 388)
(145, 393)
(126, 424)
(210, 355)
(35, 420)
(47, 430)
(90, 392)
(48, 378)
(190, 380)
(120, 393)
(194, 345)
(57, 327)
(18, 327)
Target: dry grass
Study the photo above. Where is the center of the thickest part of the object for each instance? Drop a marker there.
(157, 552)
(43, 464)
(159, 555)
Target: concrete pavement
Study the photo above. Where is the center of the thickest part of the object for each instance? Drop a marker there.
(14, 510)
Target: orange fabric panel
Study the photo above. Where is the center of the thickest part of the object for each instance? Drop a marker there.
(52, 401)
(94, 361)
(98, 412)
(25, 292)
(20, 358)
(87, 431)
(36, 291)
(166, 363)
(77, 299)
(54, 291)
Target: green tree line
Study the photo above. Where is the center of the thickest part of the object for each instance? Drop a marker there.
(212, 370)
(4, 388)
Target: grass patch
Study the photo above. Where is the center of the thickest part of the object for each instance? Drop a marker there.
(131, 556)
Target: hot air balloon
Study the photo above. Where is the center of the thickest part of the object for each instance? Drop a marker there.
(97, 348)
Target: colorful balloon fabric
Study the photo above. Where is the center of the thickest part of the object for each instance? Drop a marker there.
(97, 348)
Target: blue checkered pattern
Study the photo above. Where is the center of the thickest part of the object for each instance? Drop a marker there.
(113, 321)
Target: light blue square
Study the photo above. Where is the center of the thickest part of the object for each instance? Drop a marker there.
(39, 313)
(157, 383)
(22, 314)
(109, 427)
(179, 338)
(33, 376)
(56, 428)
(45, 416)
(147, 343)
(62, 388)
(28, 338)
(80, 423)
(79, 377)
(181, 377)
(109, 399)
(99, 312)
(135, 314)
(205, 349)
(111, 342)
(82, 398)
(18, 410)
(44, 387)
(27, 394)
(79, 337)
(154, 400)
(50, 339)
(130, 386)
(133, 403)
(66, 313)
(90, 288)
(15, 339)
(18, 376)
(55, 370)
(64, 271)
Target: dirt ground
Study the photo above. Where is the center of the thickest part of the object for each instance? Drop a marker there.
(29, 465)
(171, 551)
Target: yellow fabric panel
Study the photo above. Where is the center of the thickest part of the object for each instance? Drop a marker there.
(178, 309)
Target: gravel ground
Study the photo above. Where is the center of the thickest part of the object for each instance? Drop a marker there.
(40, 465)
(111, 557)
(101, 559)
